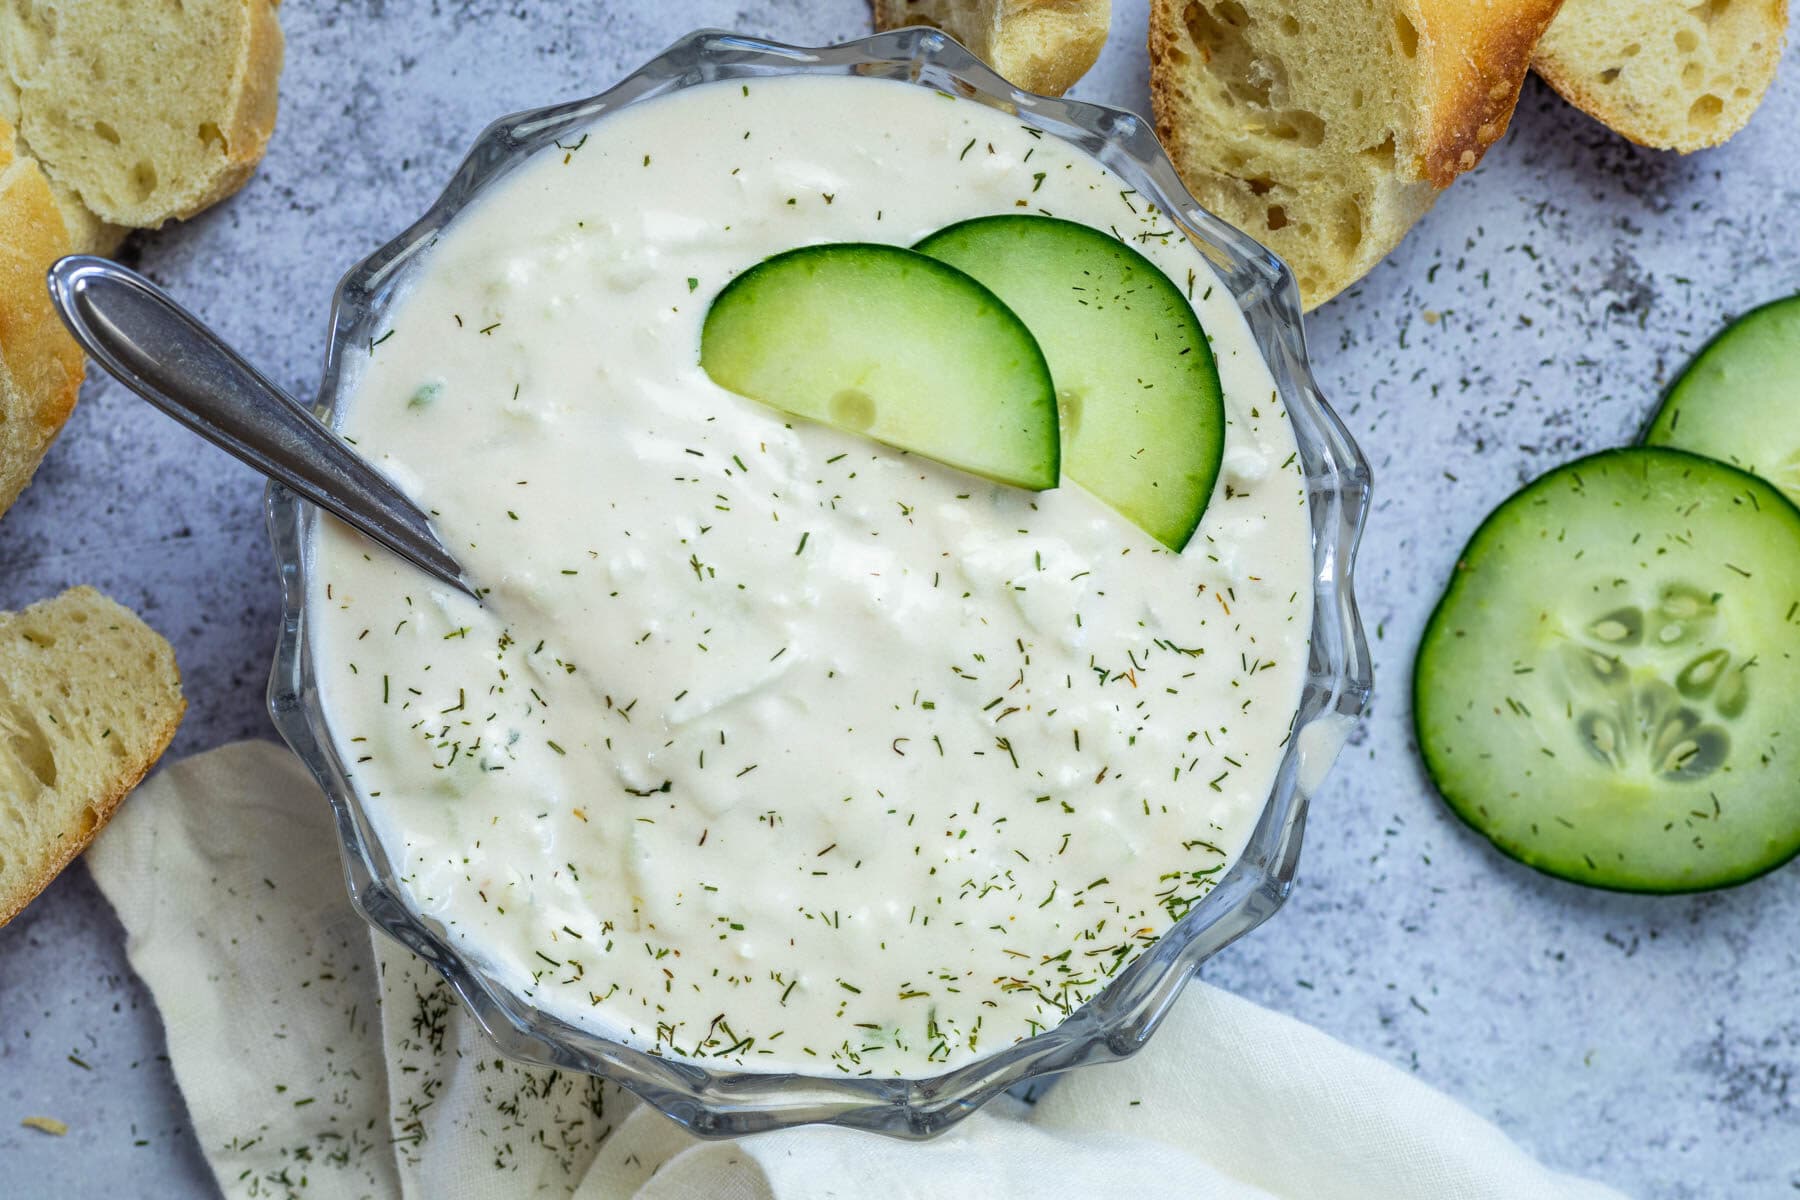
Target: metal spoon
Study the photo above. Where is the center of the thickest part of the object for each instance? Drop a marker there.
(163, 353)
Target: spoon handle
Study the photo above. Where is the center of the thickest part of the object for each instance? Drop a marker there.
(163, 353)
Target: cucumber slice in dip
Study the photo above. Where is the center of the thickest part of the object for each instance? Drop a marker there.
(1143, 417)
(1609, 689)
(884, 342)
(1739, 400)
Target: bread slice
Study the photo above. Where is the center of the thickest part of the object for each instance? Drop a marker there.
(40, 365)
(89, 699)
(1323, 129)
(88, 234)
(1672, 74)
(146, 110)
(1041, 46)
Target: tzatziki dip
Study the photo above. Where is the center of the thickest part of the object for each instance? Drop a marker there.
(773, 746)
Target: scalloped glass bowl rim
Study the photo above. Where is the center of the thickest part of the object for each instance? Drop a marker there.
(717, 1102)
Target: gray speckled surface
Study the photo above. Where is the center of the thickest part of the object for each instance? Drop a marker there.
(1654, 1043)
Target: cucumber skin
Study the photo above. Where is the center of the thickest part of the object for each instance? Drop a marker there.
(1466, 810)
(1658, 431)
(741, 289)
(1207, 476)
(1663, 427)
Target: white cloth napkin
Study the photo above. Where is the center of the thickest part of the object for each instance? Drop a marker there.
(320, 1059)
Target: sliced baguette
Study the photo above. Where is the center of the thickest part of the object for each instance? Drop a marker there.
(1671, 74)
(146, 110)
(89, 699)
(88, 234)
(40, 365)
(1042, 46)
(1326, 130)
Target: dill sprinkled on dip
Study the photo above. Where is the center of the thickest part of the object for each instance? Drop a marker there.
(773, 745)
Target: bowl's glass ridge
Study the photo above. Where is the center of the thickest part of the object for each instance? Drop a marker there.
(712, 1101)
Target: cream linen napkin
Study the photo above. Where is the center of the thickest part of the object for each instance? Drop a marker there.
(320, 1060)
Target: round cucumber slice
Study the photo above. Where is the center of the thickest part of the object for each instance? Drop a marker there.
(1739, 400)
(1609, 689)
(882, 341)
(1143, 417)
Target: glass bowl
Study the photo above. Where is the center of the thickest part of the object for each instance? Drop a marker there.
(1118, 1021)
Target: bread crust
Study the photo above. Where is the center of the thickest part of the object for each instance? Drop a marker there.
(256, 92)
(1613, 109)
(1480, 51)
(41, 365)
(35, 883)
(105, 805)
(1042, 46)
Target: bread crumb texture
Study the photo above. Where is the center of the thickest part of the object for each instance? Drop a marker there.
(40, 365)
(89, 699)
(146, 110)
(1670, 74)
(1042, 46)
(1326, 129)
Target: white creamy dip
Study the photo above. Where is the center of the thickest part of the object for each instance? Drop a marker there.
(772, 745)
